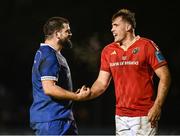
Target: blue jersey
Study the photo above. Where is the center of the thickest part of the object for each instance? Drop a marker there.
(49, 65)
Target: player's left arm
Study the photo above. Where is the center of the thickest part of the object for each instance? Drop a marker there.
(163, 87)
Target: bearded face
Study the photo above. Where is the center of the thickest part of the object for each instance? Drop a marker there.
(65, 36)
(66, 43)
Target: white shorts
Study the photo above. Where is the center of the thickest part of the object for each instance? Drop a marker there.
(134, 126)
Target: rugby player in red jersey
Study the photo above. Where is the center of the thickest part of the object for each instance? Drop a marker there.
(131, 62)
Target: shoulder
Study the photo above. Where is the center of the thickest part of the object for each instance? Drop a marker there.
(109, 46)
(145, 40)
(47, 52)
(148, 43)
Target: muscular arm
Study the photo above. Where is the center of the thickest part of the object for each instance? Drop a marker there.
(100, 85)
(163, 87)
(51, 89)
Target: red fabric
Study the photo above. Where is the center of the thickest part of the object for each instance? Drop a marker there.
(132, 72)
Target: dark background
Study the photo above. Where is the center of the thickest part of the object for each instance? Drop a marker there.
(21, 32)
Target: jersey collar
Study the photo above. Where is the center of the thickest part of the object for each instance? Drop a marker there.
(45, 44)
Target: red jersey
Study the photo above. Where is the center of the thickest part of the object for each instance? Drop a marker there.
(132, 72)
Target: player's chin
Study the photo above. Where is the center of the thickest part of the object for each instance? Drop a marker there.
(67, 44)
(116, 40)
(70, 45)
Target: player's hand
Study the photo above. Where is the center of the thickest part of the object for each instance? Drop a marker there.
(83, 93)
(154, 115)
(78, 90)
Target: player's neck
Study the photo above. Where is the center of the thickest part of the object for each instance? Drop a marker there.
(128, 41)
(54, 45)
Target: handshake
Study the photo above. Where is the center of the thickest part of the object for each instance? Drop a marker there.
(83, 94)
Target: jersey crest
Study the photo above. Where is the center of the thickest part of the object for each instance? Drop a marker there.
(135, 50)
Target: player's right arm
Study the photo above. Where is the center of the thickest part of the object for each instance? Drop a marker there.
(100, 85)
(51, 89)
(48, 67)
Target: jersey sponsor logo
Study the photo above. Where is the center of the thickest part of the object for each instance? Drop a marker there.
(37, 56)
(159, 56)
(122, 63)
(113, 53)
(36, 60)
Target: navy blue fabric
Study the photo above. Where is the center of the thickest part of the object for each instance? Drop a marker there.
(57, 127)
(51, 65)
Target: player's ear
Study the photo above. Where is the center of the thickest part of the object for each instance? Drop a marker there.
(58, 34)
(128, 27)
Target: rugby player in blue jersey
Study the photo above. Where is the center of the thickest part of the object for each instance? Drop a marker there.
(51, 109)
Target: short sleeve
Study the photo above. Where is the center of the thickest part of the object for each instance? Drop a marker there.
(104, 62)
(155, 57)
(49, 68)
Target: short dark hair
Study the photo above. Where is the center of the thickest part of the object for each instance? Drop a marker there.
(126, 15)
(53, 24)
